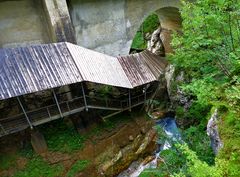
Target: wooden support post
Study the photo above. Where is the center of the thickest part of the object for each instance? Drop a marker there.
(56, 100)
(24, 112)
(130, 104)
(84, 97)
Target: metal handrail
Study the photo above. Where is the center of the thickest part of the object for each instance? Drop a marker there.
(46, 111)
(67, 102)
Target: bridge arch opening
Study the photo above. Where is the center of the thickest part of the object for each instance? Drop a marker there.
(154, 33)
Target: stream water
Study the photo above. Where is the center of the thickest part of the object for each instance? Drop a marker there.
(169, 126)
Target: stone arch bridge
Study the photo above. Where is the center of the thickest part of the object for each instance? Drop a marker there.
(107, 26)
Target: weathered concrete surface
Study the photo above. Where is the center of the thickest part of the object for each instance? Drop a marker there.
(109, 26)
(59, 22)
(22, 23)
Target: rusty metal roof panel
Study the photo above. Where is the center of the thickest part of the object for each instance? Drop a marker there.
(142, 68)
(99, 68)
(155, 63)
(35, 68)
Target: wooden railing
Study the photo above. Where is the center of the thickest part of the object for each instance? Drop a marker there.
(46, 114)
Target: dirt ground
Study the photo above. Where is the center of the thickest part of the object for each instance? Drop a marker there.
(121, 136)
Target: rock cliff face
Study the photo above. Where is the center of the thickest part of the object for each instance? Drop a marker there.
(115, 151)
(176, 94)
(159, 41)
(140, 147)
(213, 132)
(155, 44)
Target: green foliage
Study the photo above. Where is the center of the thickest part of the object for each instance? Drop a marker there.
(151, 173)
(196, 167)
(37, 167)
(62, 138)
(139, 41)
(180, 112)
(7, 161)
(198, 141)
(77, 167)
(104, 90)
(209, 52)
(150, 24)
(175, 160)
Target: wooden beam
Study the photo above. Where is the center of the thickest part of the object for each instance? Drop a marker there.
(24, 112)
(84, 97)
(56, 100)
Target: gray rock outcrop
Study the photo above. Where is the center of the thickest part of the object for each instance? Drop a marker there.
(155, 44)
(176, 94)
(213, 133)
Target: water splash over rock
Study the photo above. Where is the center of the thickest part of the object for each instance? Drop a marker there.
(169, 126)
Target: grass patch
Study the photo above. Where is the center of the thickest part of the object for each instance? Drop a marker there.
(151, 173)
(7, 161)
(78, 167)
(37, 167)
(62, 138)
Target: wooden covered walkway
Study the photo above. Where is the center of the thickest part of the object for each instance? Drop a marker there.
(41, 68)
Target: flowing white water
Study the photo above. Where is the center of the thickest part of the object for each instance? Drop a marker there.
(170, 128)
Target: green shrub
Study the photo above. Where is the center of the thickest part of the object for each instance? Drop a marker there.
(151, 173)
(62, 138)
(139, 41)
(150, 24)
(199, 142)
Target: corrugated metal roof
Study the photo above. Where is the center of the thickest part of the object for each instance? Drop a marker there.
(99, 68)
(30, 69)
(40, 67)
(142, 68)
